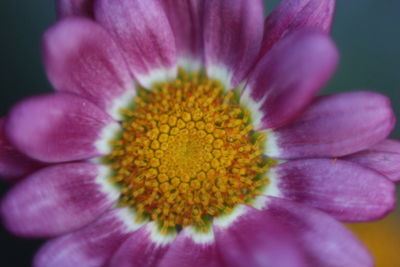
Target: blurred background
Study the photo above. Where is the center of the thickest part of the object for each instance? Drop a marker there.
(367, 33)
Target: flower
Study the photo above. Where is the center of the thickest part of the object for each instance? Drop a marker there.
(187, 133)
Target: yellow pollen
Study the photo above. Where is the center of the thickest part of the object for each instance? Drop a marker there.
(187, 153)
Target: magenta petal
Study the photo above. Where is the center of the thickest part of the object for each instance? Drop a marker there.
(232, 37)
(13, 164)
(143, 32)
(324, 240)
(139, 250)
(286, 80)
(59, 127)
(343, 189)
(184, 251)
(91, 246)
(75, 8)
(186, 19)
(291, 15)
(383, 158)
(80, 57)
(56, 200)
(256, 239)
(335, 126)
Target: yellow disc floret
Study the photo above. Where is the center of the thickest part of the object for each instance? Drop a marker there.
(187, 153)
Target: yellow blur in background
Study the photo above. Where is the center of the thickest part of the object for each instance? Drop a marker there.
(382, 238)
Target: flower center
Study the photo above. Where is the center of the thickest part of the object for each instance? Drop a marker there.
(187, 153)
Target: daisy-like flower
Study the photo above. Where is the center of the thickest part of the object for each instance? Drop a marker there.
(188, 133)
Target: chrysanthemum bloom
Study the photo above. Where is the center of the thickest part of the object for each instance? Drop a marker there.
(188, 133)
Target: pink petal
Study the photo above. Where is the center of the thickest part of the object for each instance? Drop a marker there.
(80, 57)
(143, 32)
(186, 19)
(256, 239)
(56, 200)
(343, 189)
(291, 15)
(324, 240)
(59, 127)
(383, 157)
(286, 80)
(75, 8)
(232, 37)
(139, 250)
(334, 126)
(91, 246)
(14, 164)
(184, 251)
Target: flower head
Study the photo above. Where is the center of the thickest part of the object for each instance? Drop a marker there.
(188, 133)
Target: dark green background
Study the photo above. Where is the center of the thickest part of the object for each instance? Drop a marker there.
(367, 33)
